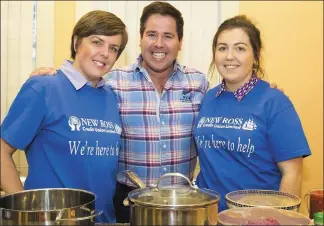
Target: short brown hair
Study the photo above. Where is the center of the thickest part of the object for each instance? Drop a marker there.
(99, 22)
(164, 9)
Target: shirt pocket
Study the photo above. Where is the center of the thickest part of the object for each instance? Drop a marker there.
(184, 115)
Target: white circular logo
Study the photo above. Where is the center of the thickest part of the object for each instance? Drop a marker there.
(74, 123)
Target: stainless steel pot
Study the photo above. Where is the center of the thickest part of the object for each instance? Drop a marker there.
(57, 206)
(171, 205)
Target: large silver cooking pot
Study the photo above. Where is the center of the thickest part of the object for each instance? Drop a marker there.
(171, 205)
(56, 206)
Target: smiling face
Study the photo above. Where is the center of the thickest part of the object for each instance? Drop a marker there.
(96, 55)
(160, 44)
(234, 57)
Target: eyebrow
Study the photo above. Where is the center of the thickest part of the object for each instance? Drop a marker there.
(104, 41)
(238, 43)
(115, 45)
(166, 33)
(97, 38)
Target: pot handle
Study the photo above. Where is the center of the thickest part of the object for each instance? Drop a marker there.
(94, 213)
(176, 175)
(135, 179)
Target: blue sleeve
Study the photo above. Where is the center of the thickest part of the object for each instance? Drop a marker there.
(25, 116)
(285, 131)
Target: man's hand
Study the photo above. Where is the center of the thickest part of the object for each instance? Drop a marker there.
(274, 86)
(43, 71)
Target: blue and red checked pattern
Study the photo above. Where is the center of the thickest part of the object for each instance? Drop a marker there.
(243, 90)
(157, 129)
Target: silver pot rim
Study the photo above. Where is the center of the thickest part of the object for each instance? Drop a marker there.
(169, 207)
(44, 189)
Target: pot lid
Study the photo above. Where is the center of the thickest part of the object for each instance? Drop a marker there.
(175, 196)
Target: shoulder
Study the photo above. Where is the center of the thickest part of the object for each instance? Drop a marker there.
(109, 93)
(189, 70)
(275, 101)
(119, 76)
(43, 82)
(211, 93)
(271, 94)
(193, 73)
(195, 78)
(108, 90)
(120, 72)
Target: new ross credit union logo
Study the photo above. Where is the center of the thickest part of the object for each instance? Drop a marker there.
(93, 125)
(227, 123)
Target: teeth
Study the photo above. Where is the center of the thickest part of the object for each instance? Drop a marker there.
(159, 55)
(98, 63)
(231, 66)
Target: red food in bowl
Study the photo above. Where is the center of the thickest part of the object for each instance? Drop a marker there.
(267, 221)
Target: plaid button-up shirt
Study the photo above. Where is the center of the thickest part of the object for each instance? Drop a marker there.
(157, 129)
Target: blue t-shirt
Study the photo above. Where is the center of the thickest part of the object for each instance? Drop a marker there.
(71, 137)
(240, 143)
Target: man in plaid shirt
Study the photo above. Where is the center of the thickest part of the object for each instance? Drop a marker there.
(159, 101)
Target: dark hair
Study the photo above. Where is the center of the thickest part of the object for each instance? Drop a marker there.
(252, 32)
(164, 9)
(99, 22)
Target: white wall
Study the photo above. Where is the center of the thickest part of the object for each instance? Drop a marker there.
(17, 45)
(17, 50)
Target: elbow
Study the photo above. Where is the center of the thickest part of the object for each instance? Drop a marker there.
(291, 182)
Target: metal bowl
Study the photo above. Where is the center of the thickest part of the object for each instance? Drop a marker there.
(49, 206)
(261, 216)
(256, 197)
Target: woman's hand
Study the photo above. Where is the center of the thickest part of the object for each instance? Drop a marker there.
(43, 71)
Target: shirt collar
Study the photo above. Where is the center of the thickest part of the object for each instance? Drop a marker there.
(241, 92)
(177, 67)
(75, 77)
